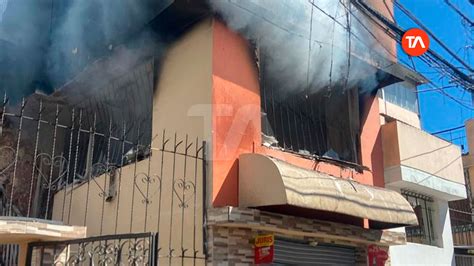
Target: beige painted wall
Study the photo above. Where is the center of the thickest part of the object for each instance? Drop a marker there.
(420, 150)
(181, 104)
(396, 112)
(183, 97)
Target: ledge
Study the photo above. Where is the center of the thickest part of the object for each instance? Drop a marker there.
(19, 230)
(302, 227)
(405, 177)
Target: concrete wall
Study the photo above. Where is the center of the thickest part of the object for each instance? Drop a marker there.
(237, 122)
(151, 195)
(417, 254)
(399, 113)
(384, 44)
(409, 146)
(182, 100)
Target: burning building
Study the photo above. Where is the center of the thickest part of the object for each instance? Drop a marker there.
(219, 132)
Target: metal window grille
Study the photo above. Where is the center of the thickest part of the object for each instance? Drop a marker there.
(322, 123)
(424, 232)
(41, 145)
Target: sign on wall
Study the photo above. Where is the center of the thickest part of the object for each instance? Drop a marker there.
(263, 247)
(376, 256)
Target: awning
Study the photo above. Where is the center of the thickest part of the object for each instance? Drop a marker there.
(266, 181)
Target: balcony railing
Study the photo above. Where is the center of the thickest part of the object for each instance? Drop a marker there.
(57, 165)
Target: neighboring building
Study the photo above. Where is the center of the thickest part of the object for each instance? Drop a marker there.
(427, 171)
(461, 211)
(223, 159)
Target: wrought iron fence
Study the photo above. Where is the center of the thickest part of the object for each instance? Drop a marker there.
(55, 166)
(125, 249)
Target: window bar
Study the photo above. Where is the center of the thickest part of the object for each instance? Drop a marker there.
(312, 126)
(38, 128)
(164, 141)
(323, 136)
(68, 163)
(75, 164)
(429, 223)
(137, 148)
(4, 110)
(183, 197)
(295, 120)
(173, 182)
(282, 125)
(53, 153)
(148, 182)
(274, 116)
(263, 97)
(107, 173)
(289, 126)
(195, 198)
(90, 161)
(302, 123)
(122, 157)
(10, 208)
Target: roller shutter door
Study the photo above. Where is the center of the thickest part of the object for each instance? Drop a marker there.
(289, 252)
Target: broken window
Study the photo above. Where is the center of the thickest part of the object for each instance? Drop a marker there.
(311, 121)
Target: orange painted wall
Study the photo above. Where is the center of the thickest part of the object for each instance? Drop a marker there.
(236, 122)
(235, 111)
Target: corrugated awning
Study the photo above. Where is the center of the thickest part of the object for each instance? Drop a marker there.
(266, 181)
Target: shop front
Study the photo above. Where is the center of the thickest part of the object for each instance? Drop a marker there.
(289, 215)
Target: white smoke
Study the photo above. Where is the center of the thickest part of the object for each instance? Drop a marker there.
(3, 7)
(284, 28)
(92, 28)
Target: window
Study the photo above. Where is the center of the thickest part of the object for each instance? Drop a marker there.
(424, 232)
(316, 121)
(401, 95)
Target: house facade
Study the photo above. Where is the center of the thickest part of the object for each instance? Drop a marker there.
(230, 168)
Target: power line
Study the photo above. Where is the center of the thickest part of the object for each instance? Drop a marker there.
(445, 67)
(460, 13)
(427, 61)
(417, 21)
(436, 89)
(448, 130)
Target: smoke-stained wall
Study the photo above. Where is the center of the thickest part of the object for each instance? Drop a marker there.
(312, 44)
(24, 28)
(45, 43)
(88, 29)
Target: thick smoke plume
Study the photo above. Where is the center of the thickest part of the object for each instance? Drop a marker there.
(91, 28)
(44, 44)
(306, 50)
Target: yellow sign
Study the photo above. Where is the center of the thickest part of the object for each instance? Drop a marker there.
(264, 241)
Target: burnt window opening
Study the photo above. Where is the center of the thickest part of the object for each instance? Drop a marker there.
(116, 122)
(310, 121)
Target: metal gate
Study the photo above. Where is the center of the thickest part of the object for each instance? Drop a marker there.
(126, 249)
(292, 252)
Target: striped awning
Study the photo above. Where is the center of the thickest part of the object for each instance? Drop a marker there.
(266, 181)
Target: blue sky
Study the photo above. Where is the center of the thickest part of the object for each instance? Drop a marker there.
(438, 112)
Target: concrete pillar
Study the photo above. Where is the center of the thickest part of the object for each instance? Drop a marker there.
(470, 135)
